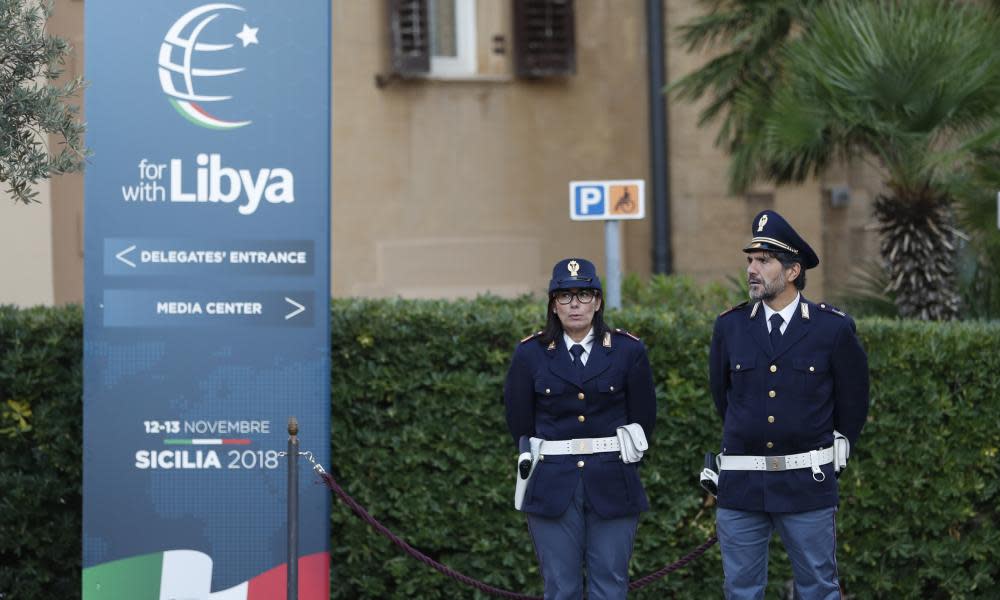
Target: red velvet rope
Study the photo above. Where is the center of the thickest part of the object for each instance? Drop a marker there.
(479, 585)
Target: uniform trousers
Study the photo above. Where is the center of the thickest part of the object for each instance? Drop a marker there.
(809, 537)
(580, 538)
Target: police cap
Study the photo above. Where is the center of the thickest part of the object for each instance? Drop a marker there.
(772, 233)
(570, 273)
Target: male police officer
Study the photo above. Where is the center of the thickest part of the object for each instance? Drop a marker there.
(574, 385)
(785, 375)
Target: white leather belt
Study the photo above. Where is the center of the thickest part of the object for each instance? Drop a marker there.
(803, 460)
(580, 446)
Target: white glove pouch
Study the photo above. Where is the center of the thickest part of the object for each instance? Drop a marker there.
(633, 442)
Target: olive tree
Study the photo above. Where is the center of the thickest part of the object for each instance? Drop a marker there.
(40, 132)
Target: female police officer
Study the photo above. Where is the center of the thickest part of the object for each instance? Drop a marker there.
(573, 385)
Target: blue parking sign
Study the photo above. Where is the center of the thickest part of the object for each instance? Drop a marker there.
(607, 200)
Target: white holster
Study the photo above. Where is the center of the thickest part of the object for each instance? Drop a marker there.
(522, 482)
(632, 442)
(841, 451)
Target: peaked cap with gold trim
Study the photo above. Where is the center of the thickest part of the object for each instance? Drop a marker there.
(574, 273)
(771, 232)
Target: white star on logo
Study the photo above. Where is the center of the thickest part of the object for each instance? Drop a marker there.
(248, 35)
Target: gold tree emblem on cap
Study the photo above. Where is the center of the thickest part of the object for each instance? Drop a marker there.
(573, 267)
(761, 223)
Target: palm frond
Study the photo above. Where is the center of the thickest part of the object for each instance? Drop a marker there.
(751, 33)
(899, 79)
(865, 294)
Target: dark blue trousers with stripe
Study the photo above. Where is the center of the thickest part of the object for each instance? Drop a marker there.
(581, 541)
(809, 537)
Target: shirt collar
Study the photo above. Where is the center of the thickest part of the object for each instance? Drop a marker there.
(587, 343)
(786, 313)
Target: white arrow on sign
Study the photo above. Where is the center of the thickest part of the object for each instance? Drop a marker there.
(298, 308)
(121, 256)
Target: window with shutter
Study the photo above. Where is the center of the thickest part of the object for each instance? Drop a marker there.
(410, 36)
(435, 38)
(544, 38)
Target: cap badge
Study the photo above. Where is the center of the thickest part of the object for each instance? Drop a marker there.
(761, 223)
(573, 267)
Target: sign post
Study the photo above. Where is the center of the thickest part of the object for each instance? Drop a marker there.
(610, 201)
(206, 319)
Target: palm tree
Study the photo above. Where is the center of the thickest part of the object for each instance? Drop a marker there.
(914, 87)
(976, 189)
(740, 79)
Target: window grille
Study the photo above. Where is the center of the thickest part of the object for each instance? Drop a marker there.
(544, 38)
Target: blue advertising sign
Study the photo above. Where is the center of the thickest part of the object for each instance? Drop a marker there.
(206, 319)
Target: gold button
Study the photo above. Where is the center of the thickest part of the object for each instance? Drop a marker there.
(772, 393)
(737, 367)
(580, 464)
(581, 418)
(770, 444)
(548, 391)
(580, 396)
(774, 368)
(812, 369)
(770, 419)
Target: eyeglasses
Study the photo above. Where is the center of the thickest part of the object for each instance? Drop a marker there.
(584, 296)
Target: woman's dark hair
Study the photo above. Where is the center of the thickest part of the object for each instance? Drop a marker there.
(553, 326)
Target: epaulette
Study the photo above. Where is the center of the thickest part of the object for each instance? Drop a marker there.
(621, 331)
(531, 337)
(737, 307)
(831, 309)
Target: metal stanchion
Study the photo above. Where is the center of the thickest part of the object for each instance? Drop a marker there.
(293, 509)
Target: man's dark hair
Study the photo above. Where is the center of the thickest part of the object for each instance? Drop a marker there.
(787, 260)
(553, 326)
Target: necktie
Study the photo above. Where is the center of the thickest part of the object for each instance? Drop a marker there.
(776, 322)
(577, 352)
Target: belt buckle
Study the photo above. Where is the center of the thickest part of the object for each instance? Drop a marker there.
(774, 463)
(583, 446)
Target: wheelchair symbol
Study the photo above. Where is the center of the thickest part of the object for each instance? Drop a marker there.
(625, 202)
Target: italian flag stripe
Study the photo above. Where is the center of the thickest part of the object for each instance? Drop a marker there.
(137, 578)
(197, 115)
(188, 574)
(206, 442)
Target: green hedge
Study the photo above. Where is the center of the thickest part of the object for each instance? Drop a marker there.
(41, 458)
(418, 385)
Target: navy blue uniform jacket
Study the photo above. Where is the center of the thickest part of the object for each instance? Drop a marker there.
(546, 398)
(785, 400)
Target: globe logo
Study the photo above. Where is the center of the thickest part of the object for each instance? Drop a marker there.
(180, 76)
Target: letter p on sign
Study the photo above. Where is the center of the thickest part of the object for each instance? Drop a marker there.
(590, 200)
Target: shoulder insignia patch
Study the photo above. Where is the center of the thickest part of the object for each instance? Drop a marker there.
(831, 309)
(532, 336)
(737, 307)
(621, 331)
